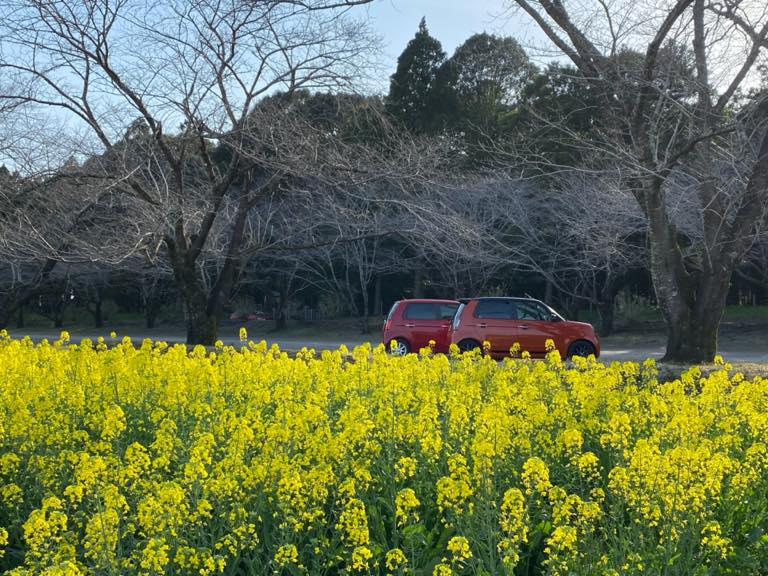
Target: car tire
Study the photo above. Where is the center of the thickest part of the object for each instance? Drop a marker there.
(399, 348)
(468, 345)
(581, 348)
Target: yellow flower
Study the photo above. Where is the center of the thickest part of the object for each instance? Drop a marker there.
(454, 490)
(714, 542)
(164, 459)
(406, 504)
(360, 557)
(572, 440)
(512, 521)
(286, 554)
(560, 548)
(353, 523)
(405, 468)
(3, 541)
(458, 546)
(395, 560)
(536, 476)
(589, 466)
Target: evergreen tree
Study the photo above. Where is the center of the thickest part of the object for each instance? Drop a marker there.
(412, 95)
(483, 80)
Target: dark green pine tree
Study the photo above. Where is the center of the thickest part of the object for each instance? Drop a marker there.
(412, 97)
(483, 80)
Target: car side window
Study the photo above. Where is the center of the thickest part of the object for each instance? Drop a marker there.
(421, 311)
(496, 309)
(532, 311)
(447, 311)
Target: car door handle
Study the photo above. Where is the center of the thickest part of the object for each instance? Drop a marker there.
(410, 325)
(482, 325)
(523, 326)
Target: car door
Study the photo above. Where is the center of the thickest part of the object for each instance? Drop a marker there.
(495, 319)
(423, 323)
(534, 326)
(446, 313)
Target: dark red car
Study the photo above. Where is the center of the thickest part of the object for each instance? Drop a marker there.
(411, 324)
(505, 321)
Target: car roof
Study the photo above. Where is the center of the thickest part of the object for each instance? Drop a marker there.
(429, 301)
(480, 298)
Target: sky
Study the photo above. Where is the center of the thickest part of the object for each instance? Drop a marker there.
(450, 21)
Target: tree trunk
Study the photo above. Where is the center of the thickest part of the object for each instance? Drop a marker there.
(376, 304)
(549, 291)
(693, 330)
(20, 317)
(205, 307)
(606, 308)
(281, 317)
(98, 318)
(607, 304)
(365, 325)
(150, 315)
(692, 301)
(418, 283)
(202, 327)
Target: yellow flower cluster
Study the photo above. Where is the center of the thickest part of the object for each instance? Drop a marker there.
(118, 458)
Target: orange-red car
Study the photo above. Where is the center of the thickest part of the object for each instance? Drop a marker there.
(505, 321)
(411, 324)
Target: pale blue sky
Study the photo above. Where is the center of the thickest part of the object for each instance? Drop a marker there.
(450, 21)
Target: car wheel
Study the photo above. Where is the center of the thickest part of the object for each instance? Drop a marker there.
(468, 345)
(581, 348)
(399, 347)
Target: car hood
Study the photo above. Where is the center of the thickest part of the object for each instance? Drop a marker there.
(579, 325)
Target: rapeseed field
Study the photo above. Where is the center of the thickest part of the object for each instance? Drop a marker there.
(156, 459)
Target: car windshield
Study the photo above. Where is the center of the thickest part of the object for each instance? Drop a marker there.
(553, 311)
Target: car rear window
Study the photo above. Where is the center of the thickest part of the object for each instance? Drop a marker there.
(429, 311)
(447, 311)
(497, 309)
(422, 311)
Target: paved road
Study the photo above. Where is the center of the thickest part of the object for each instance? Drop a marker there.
(731, 351)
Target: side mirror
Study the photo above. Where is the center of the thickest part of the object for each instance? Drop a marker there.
(555, 318)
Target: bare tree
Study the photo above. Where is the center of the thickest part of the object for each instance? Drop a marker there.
(668, 75)
(350, 245)
(48, 220)
(203, 66)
